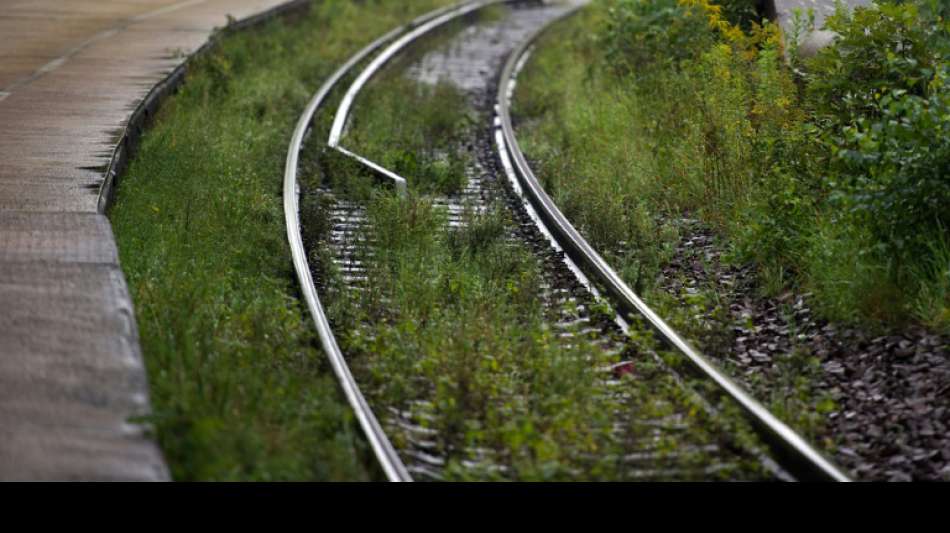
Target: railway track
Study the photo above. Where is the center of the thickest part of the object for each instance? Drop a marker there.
(482, 61)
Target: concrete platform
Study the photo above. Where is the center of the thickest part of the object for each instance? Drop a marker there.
(71, 371)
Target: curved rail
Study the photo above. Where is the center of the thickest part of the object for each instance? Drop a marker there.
(343, 111)
(389, 460)
(799, 457)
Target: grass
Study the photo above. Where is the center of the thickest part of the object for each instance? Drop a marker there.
(601, 151)
(239, 390)
(413, 129)
(453, 329)
(452, 332)
(619, 155)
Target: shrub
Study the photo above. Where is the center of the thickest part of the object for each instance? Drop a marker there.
(894, 167)
(881, 96)
(641, 32)
(882, 47)
(743, 13)
(830, 176)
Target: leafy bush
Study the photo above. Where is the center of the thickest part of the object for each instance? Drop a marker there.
(937, 11)
(881, 94)
(894, 168)
(744, 13)
(641, 32)
(881, 47)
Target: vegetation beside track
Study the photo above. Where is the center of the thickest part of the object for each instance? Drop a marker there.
(453, 332)
(828, 173)
(239, 389)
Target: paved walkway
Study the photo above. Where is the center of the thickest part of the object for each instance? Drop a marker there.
(71, 372)
(785, 10)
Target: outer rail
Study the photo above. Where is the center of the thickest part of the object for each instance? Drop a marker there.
(799, 457)
(388, 459)
(385, 453)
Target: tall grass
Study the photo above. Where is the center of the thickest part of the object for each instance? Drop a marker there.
(453, 332)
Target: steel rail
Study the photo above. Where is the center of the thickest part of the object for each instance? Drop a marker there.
(385, 453)
(346, 104)
(798, 457)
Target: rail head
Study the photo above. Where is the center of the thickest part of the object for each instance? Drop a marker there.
(391, 464)
(804, 461)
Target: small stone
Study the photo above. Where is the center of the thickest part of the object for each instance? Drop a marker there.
(895, 475)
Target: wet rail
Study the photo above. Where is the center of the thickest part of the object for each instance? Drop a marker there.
(576, 273)
(382, 448)
(385, 454)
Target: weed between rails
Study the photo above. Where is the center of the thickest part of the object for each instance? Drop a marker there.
(451, 332)
(450, 337)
